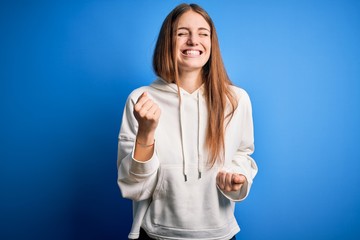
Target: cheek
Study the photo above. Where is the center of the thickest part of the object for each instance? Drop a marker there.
(180, 42)
(208, 48)
(207, 45)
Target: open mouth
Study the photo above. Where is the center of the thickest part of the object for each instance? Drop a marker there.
(192, 52)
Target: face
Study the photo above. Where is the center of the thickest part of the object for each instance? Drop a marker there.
(193, 42)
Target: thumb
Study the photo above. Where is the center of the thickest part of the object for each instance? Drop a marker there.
(238, 179)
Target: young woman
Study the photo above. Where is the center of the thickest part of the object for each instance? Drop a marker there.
(185, 141)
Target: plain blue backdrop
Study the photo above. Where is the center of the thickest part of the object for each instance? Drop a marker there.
(68, 66)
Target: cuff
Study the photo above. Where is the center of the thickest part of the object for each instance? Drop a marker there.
(144, 169)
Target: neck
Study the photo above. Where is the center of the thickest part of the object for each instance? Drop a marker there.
(190, 81)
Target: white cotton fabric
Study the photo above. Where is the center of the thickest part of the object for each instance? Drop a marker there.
(174, 193)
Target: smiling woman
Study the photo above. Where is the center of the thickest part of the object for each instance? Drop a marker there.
(185, 141)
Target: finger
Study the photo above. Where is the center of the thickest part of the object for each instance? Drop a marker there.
(223, 180)
(228, 182)
(144, 110)
(220, 180)
(237, 182)
(141, 101)
(151, 111)
(143, 95)
(236, 187)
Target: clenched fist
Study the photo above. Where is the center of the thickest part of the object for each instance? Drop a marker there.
(229, 182)
(147, 114)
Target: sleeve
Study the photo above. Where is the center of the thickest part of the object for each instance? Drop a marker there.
(242, 162)
(136, 179)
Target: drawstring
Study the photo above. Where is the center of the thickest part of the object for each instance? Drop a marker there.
(182, 138)
(199, 135)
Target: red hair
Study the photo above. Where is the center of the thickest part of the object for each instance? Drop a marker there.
(216, 81)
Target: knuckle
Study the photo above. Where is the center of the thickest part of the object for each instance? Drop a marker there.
(142, 114)
(137, 107)
(149, 116)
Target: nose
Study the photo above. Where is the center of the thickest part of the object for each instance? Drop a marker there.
(192, 40)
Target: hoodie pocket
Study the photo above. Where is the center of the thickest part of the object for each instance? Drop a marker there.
(193, 205)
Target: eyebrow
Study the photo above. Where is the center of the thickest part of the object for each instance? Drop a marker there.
(200, 28)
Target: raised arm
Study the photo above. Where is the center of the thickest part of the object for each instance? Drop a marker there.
(137, 160)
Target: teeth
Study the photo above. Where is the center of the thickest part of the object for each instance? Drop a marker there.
(192, 52)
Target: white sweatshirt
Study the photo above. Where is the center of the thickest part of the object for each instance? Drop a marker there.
(174, 194)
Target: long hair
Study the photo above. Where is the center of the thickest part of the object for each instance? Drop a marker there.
(216, 81)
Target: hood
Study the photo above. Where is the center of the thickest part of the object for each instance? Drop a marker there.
(162, 85)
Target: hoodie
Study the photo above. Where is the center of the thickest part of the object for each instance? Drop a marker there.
(174, 193)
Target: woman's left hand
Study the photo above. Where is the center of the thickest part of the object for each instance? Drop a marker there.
(229, 182)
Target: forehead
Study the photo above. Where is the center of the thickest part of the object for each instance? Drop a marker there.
(192, 20)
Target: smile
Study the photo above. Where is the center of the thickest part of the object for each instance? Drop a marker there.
(192, 52)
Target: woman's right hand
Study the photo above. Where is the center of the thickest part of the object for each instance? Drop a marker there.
(147, 114)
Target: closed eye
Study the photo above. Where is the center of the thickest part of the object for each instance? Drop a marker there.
(204, 34)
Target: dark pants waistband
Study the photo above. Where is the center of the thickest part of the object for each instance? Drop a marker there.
(144, 236)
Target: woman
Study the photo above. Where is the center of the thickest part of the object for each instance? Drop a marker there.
(185, 141)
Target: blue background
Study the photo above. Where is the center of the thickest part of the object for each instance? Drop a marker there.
(68, 66)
